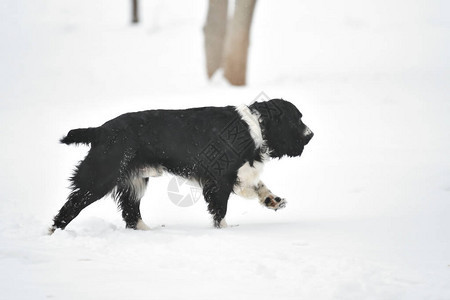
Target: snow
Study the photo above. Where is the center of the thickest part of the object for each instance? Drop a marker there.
(368, 202)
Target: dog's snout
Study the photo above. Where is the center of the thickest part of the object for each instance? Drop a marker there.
(307, 135)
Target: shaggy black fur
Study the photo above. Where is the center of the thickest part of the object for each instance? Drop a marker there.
(207, 144)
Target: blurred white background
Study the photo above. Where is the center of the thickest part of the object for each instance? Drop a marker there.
(368, 202)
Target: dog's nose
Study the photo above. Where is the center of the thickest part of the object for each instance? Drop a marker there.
(307, 135)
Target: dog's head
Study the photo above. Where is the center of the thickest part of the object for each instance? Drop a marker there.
(282, 127)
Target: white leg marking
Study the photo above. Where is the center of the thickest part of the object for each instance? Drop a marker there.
(268, 199)
(141, 225)
(139, 186)
(248, 178)
(223, 223)
(262, 191)
(51, 230)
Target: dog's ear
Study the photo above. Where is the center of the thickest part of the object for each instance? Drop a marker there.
(269, 110)
(280, 121)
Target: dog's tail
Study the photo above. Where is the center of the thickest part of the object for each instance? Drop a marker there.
(81, 136)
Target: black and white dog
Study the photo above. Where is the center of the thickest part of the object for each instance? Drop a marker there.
(222, 148)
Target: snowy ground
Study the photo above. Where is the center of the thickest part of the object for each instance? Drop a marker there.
(368, 203)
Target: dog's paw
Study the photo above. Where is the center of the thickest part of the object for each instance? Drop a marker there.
(51, 230)
(274, 202)
(220, 224)
(142, 226)
(223, 224)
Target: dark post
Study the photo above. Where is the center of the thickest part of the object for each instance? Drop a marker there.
(135, 18)
(215, 29)
(237, 42)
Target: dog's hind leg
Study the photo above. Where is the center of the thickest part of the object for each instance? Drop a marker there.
(93, 179)
(76, 202)
(128, 195)
(80, 198)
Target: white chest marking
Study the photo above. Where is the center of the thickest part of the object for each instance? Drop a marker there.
(252, 121)
(248, 176)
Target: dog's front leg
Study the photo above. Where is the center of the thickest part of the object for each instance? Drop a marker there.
(216, 195)
(267, 198)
